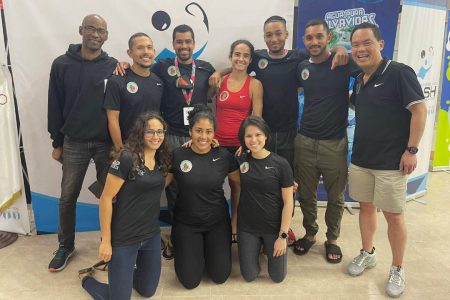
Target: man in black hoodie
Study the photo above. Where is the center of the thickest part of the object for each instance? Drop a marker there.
(77, 123)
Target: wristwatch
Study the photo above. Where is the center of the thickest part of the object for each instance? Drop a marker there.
(283, 235)
(412, 150)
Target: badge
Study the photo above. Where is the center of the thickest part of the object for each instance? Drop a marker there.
(132, 87)
(172, 71)
(224, 96)
(186, 166)
(262, 63)
(305, 74)
(186, 111)
(244, 167)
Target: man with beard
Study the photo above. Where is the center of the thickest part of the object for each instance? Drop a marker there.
(321, 142)
(139, 91)
(77, 123)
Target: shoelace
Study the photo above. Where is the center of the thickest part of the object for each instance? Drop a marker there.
(395, 277)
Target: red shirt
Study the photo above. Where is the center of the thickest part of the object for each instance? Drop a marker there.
(231, 109)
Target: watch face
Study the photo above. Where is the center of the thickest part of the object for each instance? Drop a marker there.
(413, 150)
(283, 235)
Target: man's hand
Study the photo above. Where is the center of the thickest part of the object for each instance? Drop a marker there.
(215, 80)
(57, 154)
(340, 58)
(121, 68)
(408, 163)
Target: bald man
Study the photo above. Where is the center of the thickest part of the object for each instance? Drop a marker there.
(77, 123)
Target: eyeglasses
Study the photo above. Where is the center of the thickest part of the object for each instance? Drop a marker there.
(91, 30)
(152, 132)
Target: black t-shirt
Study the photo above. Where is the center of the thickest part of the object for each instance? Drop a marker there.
(382, 117)
(279, 80)
(261, 202)
(135, 215)
(173, 101)
(200, 179)
(325, 111)
(132, 95)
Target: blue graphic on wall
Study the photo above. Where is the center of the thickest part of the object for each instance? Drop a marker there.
(162, 21)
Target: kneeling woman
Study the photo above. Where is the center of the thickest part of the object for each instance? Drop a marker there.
(265, 205)
(201, 233)
(130, 227)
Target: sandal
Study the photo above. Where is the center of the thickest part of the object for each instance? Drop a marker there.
(83, 274)
(101, 265)
(168, 252)
(291, 238)
(303, 245)
(331, 249)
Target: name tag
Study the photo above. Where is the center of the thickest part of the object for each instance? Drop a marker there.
(186, 111)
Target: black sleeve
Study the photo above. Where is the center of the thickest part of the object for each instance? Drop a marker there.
(353, 96)
(408, 86)
(122, 166)
(112, 94)
(286, 176)
(55, 119)
(208, 67)
(302, 53)
(353, 68)
(232, 162)
(156, 68)
(299, 74)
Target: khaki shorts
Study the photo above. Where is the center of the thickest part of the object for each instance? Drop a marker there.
(386, 189)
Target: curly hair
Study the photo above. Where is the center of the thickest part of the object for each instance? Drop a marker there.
(201, 111)
(135, 144)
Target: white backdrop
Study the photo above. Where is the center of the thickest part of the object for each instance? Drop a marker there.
(421, 36)
(39, 31)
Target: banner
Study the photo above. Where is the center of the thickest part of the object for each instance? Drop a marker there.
(421, 37)
(53, 24)
(341, 17)
(13, 205)
(441, 156)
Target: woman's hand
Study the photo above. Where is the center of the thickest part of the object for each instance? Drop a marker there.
(105, 251)
(279, 248)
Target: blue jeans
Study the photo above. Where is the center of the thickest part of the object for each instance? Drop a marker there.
(249, 246)
(137, 265)
(76, 157)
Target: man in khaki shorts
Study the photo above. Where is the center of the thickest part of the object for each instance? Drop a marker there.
(390, 119)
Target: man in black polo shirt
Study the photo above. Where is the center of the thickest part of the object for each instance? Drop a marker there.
(321, 144)
(138, 91)
(390, 119)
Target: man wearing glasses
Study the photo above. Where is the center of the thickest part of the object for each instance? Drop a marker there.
(77, 123)
(138, 91)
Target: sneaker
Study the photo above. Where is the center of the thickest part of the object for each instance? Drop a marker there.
(363, 261)
(60, 259)
(396, 282)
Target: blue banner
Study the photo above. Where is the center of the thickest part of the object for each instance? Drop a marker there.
(341, 16)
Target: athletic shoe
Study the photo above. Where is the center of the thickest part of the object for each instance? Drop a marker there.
(363, 261)
(396, 282)
(60, 259)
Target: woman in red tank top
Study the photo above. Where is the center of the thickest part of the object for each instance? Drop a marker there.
(239, 96)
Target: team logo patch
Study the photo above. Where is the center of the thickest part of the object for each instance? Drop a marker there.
(244, 167)
(262, 63)
(305, 74)
(186, 166)
(224, 96)
(172, 71)
(115, 165)
(132, 87)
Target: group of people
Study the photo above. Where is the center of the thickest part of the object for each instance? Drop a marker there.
(151, 110)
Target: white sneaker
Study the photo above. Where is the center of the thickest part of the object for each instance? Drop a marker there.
(396, 282)
(363, 261)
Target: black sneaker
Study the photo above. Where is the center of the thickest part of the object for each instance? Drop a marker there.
(60, 259)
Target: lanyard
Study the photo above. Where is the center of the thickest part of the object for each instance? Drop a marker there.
(187, 96)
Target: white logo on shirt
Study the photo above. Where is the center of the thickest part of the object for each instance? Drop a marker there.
(132, 87)
(378, 84)
(242, 96)
(262, 63)
(139, 171)
(158, 84)
(115, 165)
(172, 71)
(267, 168)
(216, 159)
(224, 96)
(305, 74)
(244, 167)
(186, 166)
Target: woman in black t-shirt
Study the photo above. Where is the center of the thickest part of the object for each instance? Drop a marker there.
(201, 232)
(266, 203)
(129, 226)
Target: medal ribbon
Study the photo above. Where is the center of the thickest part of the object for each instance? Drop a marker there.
(187, 96)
